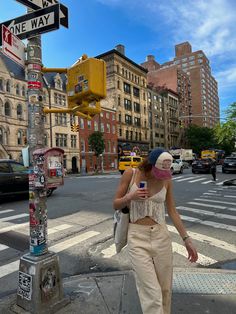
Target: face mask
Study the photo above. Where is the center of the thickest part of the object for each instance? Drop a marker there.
(161, 174)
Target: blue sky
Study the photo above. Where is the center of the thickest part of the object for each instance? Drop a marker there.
(145, 27)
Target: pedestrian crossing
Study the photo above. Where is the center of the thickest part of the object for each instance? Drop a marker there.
(205, 211)
(199, 179)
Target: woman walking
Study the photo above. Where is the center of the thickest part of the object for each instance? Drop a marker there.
(149, 241)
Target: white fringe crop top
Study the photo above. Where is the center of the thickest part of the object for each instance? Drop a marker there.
(152, 207)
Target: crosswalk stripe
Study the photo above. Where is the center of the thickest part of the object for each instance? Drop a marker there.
(185, 179)
(9, 268)
(209, 223)
(214, 201)
(14, 266)
(73, 241)
(207, 205)
(206, 239)
(230, 196)
(207, 212)
(206, 182)
(58, 228)
(202, 259)
(6, 211)
(179, 177)
(13, 217)
(196, 180)
(14, 227)
(3, 247)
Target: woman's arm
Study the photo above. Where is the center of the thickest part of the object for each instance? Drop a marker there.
(121, 200)
(175, 217)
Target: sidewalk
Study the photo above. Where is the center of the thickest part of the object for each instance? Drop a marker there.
(195, 291)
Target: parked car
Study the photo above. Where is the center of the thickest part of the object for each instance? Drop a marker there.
(176, 167)
(183, 163)
(129, 161)
(202, 165)
(14, 179)
(229, 164)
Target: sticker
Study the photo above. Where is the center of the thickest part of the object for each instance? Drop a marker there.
(24, 288)
(48, 283)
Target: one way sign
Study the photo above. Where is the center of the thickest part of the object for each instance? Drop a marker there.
(35, 23)
(40, 4)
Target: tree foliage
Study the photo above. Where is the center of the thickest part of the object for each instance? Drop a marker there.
(96, 142)
(231, 111)
(200, 138)
(225, 134)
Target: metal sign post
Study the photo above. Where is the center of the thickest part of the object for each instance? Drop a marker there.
(39, 287)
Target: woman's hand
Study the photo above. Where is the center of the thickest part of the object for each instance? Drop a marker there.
(192, 252)
(139, 194)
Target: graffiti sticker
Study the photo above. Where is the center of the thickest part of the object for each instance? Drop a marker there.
(24, 288)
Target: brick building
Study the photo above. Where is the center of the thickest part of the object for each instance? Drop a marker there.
(105, 122)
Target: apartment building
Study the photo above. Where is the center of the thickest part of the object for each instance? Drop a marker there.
(170, 76)
(127, 94)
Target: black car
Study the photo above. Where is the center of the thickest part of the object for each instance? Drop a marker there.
(202, 165)
(229, 164)
(14, 178)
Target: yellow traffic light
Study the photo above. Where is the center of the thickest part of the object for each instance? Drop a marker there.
(74, 128)
(86, 85)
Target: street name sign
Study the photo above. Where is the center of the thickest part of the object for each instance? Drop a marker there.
(35, 23)
(12, 46)
(40, 4)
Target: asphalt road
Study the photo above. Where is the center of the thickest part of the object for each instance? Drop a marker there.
(80, 225)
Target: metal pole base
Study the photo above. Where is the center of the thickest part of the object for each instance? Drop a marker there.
(39, 284)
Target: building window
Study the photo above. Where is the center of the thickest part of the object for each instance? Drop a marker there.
(20, 137)
(107, 115)
(137, 121)
(118, 100)
(23, 91)
(61, 140)
(73, 141)
(1, 136)
(82, 145)
(17, 89)
(119, 118)
(8, 86)
(7, 109)
(136, 91)
(136, 107)
(1, 84)
(60, 119)
(102, 127)
(128, 119)
(19, 111)
(95, 126)
(81, 123)
(128, 105)
(108, 128)
(118, 84)
(127, 88)
(113, 129)
(127, 134)
(89, 124)
(120, 132)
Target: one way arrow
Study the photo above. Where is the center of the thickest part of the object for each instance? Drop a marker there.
(40, 4)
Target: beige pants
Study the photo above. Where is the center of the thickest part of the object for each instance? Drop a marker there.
(151, 257)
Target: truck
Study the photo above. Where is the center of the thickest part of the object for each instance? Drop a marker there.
(213, 153)
(183, 154)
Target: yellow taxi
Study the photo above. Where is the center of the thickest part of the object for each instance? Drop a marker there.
(129, 161)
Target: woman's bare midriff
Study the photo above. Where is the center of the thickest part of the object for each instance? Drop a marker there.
(145, 221)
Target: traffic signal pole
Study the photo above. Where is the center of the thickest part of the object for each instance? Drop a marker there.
(39, 287)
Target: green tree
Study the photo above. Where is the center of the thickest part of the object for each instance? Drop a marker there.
(231, 111)
(225, 134)
(200, 138)
(97, 144)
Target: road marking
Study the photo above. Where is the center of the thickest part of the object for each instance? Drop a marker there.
(179, 177)
(211, 194)
(207, 212)
(206, 239)
(230, 196)
(58, 228)
(185, 179)
(209, 223)
(14, 266)
(207, 205)
(196, 180)
(14, 227)
(213, 201)
(3, 247)
(109, 252)
(206, 182)
(9, 268)
(73, 241)
(213, 191)
(202, 259)
(13, 217)
(6, 211)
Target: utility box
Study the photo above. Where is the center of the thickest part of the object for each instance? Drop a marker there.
(86, 84)
(48, 170)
